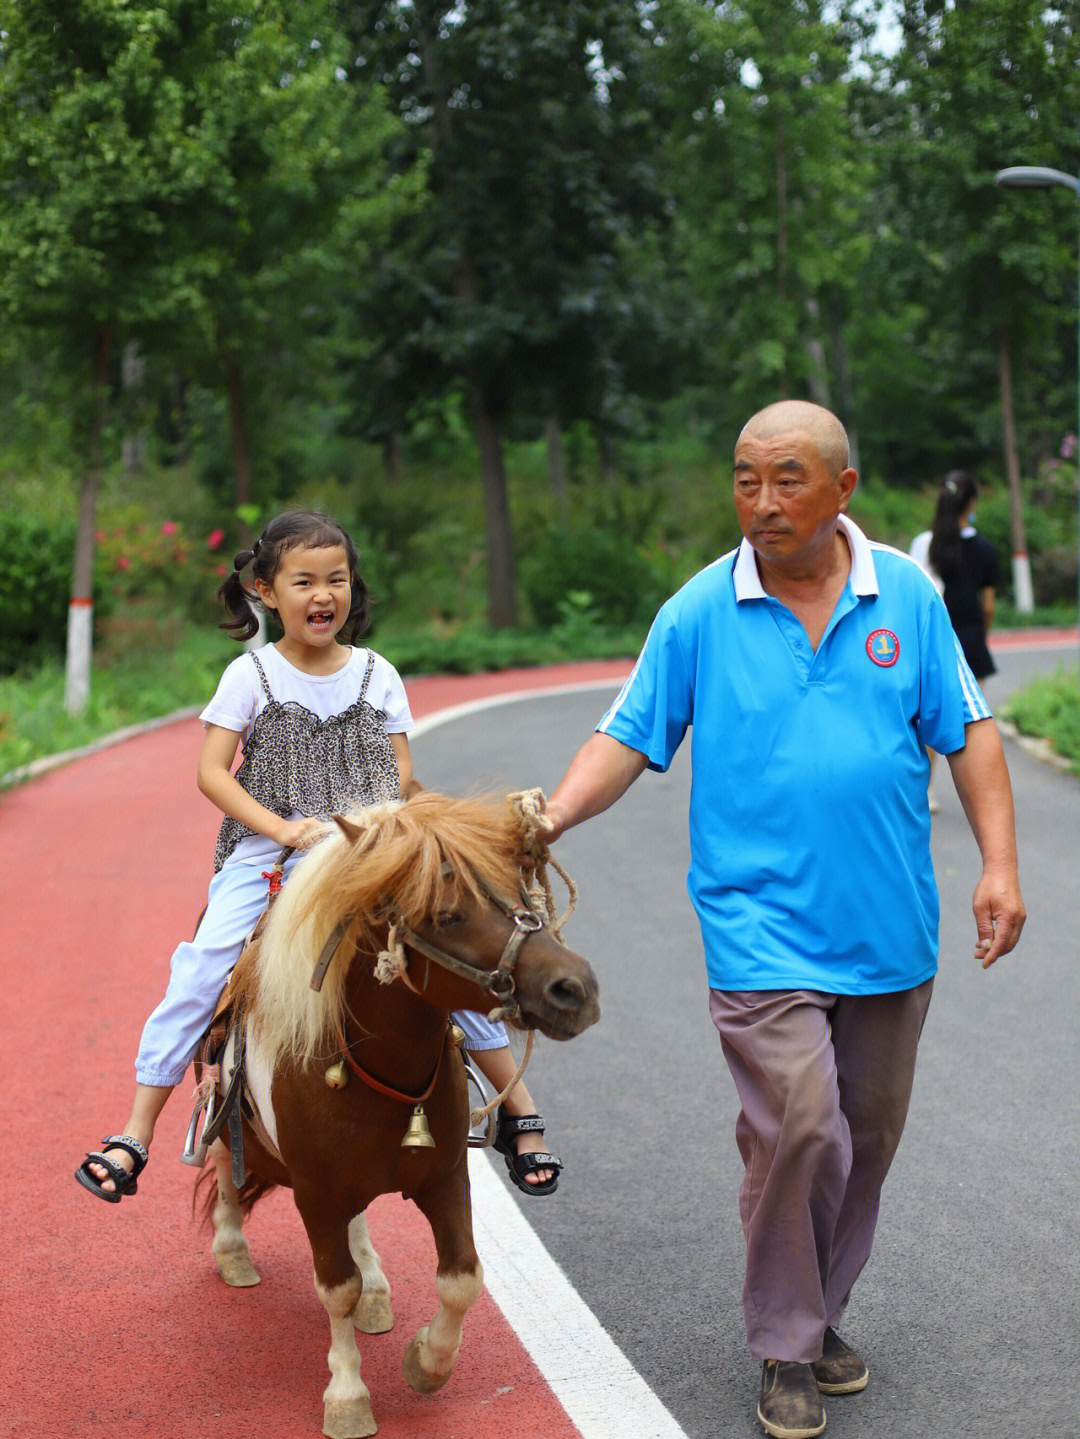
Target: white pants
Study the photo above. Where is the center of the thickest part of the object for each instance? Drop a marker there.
(198, 971)
(238, 894)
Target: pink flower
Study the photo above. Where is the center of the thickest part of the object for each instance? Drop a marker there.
(221, 571)
(214, 539)
(1068, 447)
(99, 537)
(170, 527)
(122, 562)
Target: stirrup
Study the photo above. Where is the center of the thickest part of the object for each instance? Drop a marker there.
(476, 1080)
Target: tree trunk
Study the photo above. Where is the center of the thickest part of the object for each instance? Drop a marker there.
(1023, 594)
(556, 458)
(782, 236)
(818, 376)
(502, 597)
(80, 629)
(844, 385)
(238, 436)
(605, 451)
(391, 455)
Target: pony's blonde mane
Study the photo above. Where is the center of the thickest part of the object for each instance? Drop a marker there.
(392, 855)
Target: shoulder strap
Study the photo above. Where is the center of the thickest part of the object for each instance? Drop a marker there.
(262, 675)
(367, 673)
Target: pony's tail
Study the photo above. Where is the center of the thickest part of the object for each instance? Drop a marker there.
(243, 622)
(205, 1202)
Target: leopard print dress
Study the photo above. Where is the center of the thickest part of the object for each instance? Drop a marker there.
(295, 761)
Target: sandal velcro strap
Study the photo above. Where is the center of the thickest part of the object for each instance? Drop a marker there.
(515, 1124)
(536, 1159)
(131, 1146)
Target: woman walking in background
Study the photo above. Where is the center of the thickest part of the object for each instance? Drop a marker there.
(965, 568)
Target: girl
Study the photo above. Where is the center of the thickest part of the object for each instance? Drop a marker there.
(324, 727)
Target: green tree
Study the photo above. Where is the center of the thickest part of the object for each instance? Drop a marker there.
(537, 174)
(768, 169)
(984, 279)
(94, 169)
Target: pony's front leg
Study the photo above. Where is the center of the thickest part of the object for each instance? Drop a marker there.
(430, 1358)
(230, 1248)
(346, 1400)
(373, 1314)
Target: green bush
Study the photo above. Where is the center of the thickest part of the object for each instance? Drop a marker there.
(35, 584)
(622, 586)
(1050, 707)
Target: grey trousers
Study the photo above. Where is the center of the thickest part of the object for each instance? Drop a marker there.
(824, 1081)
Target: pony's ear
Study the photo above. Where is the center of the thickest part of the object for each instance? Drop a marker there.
(413, 787)
(352, 832)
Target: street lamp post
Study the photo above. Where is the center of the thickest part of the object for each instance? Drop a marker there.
(1040, 177)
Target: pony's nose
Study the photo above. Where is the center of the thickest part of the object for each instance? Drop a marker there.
(571, 992)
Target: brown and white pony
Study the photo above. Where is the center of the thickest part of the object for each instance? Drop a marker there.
(403, 888)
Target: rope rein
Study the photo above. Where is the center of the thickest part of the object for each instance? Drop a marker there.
(529, 807)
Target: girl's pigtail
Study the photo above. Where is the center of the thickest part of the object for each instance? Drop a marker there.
(243, 622)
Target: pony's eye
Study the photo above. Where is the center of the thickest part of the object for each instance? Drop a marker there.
(447, 917)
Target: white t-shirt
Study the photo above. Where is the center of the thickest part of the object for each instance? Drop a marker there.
(240, 698)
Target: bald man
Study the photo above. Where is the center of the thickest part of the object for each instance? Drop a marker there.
(813, 668)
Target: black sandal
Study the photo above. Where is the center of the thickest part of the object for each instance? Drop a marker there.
(507, 1129)
(125, 1182)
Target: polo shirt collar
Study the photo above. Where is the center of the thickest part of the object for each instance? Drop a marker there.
(863, 577)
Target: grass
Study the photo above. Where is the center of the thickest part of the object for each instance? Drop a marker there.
(1049, 708)
(178, 665)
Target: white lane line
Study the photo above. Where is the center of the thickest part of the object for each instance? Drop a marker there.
(603, 1394)
(471, 707)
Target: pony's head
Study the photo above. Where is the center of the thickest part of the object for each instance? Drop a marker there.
(413, 861)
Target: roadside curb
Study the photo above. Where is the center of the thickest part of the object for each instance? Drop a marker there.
(54, 761)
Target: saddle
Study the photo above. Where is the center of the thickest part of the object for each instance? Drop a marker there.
(221, 1050)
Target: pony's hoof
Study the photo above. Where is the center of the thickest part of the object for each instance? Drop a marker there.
(373, 1314)
(417, 1377)
(348, 1418)
(237, 1270)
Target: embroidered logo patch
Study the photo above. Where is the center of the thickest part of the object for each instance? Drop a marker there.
(883, 648)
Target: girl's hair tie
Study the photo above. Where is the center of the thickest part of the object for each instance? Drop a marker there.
(243, 559)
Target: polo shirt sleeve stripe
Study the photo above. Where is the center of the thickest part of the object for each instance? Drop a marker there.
(975, 706)
(654, 708)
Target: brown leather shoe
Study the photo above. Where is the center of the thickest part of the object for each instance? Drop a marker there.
(790, 1404)
(839, 1370)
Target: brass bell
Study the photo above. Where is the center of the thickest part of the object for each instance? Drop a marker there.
(418, 1135)
(337, 1076)
(456, 1037)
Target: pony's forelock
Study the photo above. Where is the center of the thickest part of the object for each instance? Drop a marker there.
(394, 858)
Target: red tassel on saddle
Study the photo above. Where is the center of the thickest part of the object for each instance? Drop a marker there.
(274, 887)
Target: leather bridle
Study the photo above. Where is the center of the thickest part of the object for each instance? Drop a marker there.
(498, 982)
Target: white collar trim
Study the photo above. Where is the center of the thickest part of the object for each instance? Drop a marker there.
(863, 577)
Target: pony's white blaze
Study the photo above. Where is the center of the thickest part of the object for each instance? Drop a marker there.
(346, 1400)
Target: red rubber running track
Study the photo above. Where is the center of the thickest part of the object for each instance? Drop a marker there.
(115, 1320)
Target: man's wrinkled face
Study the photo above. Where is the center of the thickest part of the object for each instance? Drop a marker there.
(786, 497)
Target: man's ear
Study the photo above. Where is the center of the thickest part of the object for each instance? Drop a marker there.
(847, 480)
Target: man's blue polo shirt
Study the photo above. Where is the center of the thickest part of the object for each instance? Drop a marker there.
(809, 825)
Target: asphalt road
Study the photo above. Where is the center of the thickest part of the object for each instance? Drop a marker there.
(967, 1312)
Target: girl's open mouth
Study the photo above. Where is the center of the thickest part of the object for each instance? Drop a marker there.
(321, 620)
